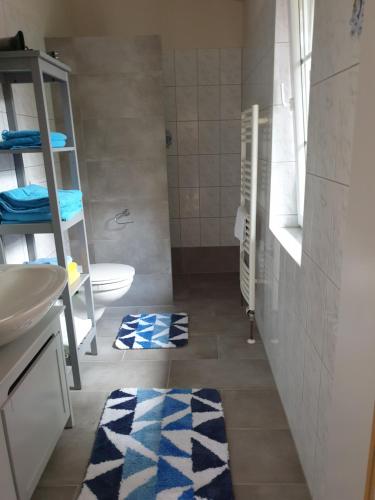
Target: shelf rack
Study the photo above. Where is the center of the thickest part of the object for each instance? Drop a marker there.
(38, 68)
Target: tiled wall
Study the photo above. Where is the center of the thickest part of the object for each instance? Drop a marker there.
(297, 306)
(203, 109)
(119, 117)
(14, 16)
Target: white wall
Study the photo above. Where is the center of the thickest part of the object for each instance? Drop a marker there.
(181, 23)
(297, 306)
(354, 385)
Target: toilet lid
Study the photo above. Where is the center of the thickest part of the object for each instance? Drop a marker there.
(111, 273)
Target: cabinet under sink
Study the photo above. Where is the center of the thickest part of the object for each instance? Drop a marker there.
(35, 405)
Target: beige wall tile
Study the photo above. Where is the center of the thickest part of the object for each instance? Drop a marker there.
(208, 66)
(186, 65)
(189, 202)
(187, 138)
(187, 103)
(209, 170)
(188, 167)
(229, 201)
(209, 201)
(230, 66)
(230, 136)
(230, 102)
(209, 102)
(209, 137)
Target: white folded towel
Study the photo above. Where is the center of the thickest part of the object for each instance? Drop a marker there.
(239, 227)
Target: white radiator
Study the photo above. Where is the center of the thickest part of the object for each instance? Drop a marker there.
(249, 180)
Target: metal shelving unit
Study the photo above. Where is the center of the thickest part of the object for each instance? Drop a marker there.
(38, 68)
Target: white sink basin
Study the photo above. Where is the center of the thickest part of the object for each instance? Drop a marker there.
(27, 292)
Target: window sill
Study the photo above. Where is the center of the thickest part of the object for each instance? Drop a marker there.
(290, 238)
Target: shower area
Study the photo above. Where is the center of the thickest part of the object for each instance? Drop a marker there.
(117, 97)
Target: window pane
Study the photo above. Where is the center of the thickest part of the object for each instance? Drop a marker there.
(301, 18)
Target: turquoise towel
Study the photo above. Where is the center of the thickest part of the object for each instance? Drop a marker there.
(54, 144)
(19, 134)
(29, 138)
(35, 196)
(65, 213)
(38, 212)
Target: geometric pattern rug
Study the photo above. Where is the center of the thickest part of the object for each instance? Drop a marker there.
(160, 444)
(152, 331)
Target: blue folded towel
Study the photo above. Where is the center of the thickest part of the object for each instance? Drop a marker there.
(15, 134)
(31, 204)
(19, 139)
(35, 196)
(66, 213)
(54, 144)
(21, 134)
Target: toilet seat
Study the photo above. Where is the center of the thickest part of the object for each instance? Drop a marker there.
(106, 277)
(108, 287)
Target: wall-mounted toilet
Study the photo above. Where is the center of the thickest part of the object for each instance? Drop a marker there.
(109, 282)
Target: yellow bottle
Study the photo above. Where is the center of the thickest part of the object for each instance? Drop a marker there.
(73, 273)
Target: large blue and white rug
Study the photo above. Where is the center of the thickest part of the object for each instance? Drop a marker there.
(160, 444)
(153, 331)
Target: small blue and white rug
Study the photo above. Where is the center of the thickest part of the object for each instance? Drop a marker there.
(153, 331)
(160, 444)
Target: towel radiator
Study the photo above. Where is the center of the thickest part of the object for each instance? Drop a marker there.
(249, 180)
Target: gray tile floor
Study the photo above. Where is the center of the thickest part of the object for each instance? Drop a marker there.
(264, 461)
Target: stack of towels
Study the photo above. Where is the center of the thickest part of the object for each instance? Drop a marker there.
(20, 139)
(31, 204)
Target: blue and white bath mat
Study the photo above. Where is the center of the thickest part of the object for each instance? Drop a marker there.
(153, 331)
(160, 444)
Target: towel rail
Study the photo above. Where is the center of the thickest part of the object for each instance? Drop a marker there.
(249, 179)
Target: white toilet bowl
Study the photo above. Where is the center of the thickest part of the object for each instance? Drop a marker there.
(109, 282)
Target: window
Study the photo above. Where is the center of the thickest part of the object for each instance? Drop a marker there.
(301, 17)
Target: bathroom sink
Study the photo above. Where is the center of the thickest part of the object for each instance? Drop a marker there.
(27, 292)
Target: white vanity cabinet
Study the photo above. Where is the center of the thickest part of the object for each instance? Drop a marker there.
(7, 487)
(35, 404)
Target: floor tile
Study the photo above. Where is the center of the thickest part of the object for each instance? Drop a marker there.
(217, 355)
(272, 492)
(205, 305)
(110, 376)
(87, 408)
(107, 327)
(69, 460)
(261, 456)
(62, 493)
(106, 352)
(237, 348)
(204, 347)
(256, 408)
(203, 324)
(225, 374)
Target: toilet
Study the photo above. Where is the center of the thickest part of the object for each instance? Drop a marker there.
(109, 282)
